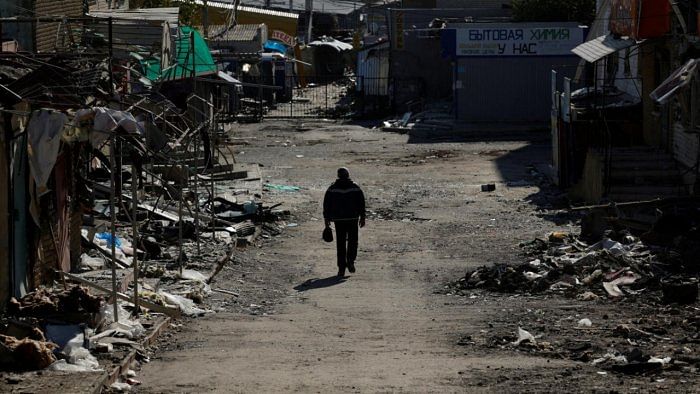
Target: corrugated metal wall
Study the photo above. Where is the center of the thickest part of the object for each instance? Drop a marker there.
(22, 32)
(46, 32)
(507, 89)
(373, 71)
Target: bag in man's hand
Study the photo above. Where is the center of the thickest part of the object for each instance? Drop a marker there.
(328, 234)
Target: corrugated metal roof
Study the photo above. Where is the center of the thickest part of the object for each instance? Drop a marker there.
(235, 33)
(144, 14)
(598, 48)
(472, 3)
(342, 7)
(262, 11)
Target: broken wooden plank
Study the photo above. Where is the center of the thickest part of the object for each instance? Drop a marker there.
(159, 212)
(222, 262)
(227, 292)
(173, 312)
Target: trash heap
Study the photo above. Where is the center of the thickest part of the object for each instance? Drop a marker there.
(616, 266)
(52, 329)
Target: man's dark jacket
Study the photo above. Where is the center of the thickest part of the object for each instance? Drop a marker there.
(344, 200)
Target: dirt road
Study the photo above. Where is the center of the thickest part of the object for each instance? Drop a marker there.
(390, 327)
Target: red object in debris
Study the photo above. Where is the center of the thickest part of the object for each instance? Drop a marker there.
(655, 19)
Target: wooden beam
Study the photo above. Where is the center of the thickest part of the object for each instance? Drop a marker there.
(172, 312)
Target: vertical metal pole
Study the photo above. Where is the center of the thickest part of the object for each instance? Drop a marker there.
(205, 23)
(135, 233)
(113, 219)
(179, 213)
(260, 94)
(111, 54)
(196, 192)
(214, 159)
(196, 146)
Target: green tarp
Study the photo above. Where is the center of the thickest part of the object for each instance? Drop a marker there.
(182, 68)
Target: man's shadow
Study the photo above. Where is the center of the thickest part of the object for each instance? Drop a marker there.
(317, 283)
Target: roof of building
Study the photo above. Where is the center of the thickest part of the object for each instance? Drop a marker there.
(234, 33)
(169, 14)
(598, 48)
(342, 7)
(229, 5)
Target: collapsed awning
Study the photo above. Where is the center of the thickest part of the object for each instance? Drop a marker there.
(598, 48)
(678, 79)
(228, 78)
(331, 43)
(189, 60)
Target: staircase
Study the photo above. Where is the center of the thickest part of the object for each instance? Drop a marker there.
(643, 173)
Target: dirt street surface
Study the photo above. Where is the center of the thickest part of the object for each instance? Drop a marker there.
(394, 326)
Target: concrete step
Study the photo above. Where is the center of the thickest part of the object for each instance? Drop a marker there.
(642, 159)
(633, 151)
(652, 190)
(642, 165)
(647, 173)
(646, 181)
(636, 197)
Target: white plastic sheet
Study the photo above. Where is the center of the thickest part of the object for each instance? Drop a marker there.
(107, 120)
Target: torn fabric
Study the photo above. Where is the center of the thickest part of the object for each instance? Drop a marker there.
(107, 120)
(44, 131)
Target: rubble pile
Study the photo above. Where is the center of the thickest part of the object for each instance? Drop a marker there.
(651, 273)
(565, 264)
(45, 302)
(25, 353)
(38, 329)
(664, 339)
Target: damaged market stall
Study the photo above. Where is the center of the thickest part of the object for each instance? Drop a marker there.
(114, 189)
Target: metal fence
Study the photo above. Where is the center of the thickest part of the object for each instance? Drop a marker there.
(297, 97)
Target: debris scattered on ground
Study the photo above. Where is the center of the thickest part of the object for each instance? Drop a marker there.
(435, 118)
(638, 289)
(565, 264)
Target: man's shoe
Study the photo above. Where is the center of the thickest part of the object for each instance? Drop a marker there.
(351, 267)
(341, 273)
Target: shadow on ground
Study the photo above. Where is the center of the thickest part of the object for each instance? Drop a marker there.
(530, 166)
(317, 283)
(480, 135)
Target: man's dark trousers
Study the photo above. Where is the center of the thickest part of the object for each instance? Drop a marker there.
(346, 238)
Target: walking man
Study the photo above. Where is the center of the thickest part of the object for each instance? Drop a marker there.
(344, 205)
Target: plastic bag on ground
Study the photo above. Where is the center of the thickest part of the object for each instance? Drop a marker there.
(64, 366)
(615, 248)
(610, 357)
(584, 323)
(197, 276)
(193, 275)
(524, 336)
(79, 359)
(133, 327)
(187, 306)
